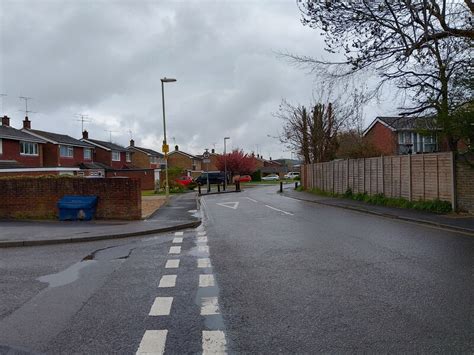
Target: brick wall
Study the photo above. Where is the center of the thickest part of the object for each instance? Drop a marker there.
(50, 155)
(36, 198)
(465, 183)
(180, 161)
(383, 138)
(146, 176)
(413, 177)
(141, 160)
(102, 156)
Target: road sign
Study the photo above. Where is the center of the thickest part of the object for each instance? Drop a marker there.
(206, 161)
(165, 148)
(206, 155)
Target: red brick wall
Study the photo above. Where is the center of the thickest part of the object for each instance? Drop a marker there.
(50, 154)
(11, 151)
(102, 156)
(383, 138)
(37, 197)
(118, 164)
(146, 177)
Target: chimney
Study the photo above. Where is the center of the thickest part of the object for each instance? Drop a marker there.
(132, 143)
(270, 158)
(85, 135)
(176, 147)
(26, 123)
(5, 121)
(213, 151)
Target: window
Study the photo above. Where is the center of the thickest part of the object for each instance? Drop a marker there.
(28, 148)
(429, 144)
(115, 156)
(66, 151)
(153, 160)
(87, 154)
(128, 157)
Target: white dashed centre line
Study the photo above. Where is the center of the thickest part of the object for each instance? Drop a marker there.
(161, 306)
(201, 233)
(206, 280)
(203, 249)
(202, 240)
(175, 250)
(172, 264)
(213, 342)
(204, 263)
(276, 209)
(178, 240)
(209, 306)
(178, 233)
(167, 281)
(153, 342)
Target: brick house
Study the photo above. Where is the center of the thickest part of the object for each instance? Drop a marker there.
(108, 153)
(19, 149)
(59, 149)
(190, 163)
(400, 135)
(212, 165)
(146, 158)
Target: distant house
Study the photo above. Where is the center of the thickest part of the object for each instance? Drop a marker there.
(60, 149)
(212, 165)
(401, 135)
(19, 149)
(108, 153)
(145, 157)
(190, 163)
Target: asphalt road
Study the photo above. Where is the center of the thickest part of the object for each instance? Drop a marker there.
(263, 274)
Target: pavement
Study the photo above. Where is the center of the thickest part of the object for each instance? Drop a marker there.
(452, 221)
(180, 213)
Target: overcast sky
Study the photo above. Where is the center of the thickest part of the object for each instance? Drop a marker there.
(105, 59)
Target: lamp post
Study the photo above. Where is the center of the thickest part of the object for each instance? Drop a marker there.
(165, 144)
(225, 163)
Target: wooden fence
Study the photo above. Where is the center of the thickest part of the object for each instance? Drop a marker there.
(413, 177)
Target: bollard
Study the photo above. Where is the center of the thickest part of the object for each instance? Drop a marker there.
(208, 187)
(199, 189)
(281, 186)
(237, 186)
(296, 185)
(218, 187)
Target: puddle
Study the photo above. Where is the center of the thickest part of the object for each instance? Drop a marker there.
(214, 321)
(66, 276)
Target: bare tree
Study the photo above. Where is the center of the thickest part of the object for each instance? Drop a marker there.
(313, 133)
(423, 46)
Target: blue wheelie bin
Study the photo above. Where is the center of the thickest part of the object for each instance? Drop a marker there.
(73, 208)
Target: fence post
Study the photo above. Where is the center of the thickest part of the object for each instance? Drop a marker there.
(383, 174)
(423, 169)
(453, 182)
(409, 177)
(437, 176)
(363, 175)
(333, 179)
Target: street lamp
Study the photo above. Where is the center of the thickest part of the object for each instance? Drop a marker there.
(165, 144)
(225, 163)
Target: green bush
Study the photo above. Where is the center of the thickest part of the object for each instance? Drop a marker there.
(257, 175)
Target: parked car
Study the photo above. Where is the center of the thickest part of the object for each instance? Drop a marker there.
(271, 177)
(184, 180)
(245, 178)
(292, 175)
(214, 178)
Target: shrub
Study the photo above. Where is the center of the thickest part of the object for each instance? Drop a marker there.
(257, 175)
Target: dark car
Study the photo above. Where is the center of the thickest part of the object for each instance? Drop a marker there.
(214, 178)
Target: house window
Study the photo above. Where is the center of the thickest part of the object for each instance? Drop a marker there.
(28, 148)
(153, 160)
(66, 151)
(128, 157)
(115, 156)
(429, 144)
(87, 154)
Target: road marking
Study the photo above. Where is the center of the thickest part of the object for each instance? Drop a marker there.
(161, 306)
(209, 306)
(203, 249)
(206, 280)
(177, 240)
(153, 342)
(204, 263)
(251, 199)
(178, 233)
(202, 240)
(175, 250)
(213, 342)
(172, 264)
(276, 209)
(201, 233)
(232, 205)
(167, 281)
